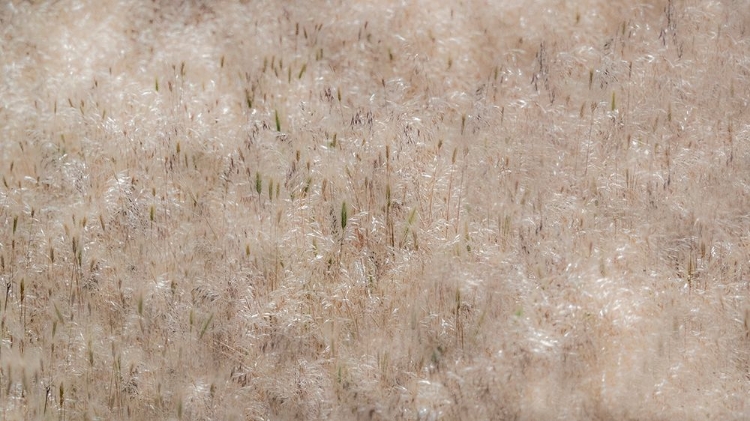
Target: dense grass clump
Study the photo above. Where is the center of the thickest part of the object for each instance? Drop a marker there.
(246, 210)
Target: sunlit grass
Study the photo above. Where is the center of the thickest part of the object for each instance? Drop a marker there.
(386, 210)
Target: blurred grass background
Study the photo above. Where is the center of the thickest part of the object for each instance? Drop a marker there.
(425, 210)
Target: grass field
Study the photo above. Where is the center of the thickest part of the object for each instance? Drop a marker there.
(374, 210)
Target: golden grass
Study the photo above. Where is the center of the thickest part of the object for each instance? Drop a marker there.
(386, 210)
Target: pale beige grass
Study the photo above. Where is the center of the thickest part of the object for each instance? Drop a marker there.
(545, 210)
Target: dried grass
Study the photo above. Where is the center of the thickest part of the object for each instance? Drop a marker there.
(374, 210)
